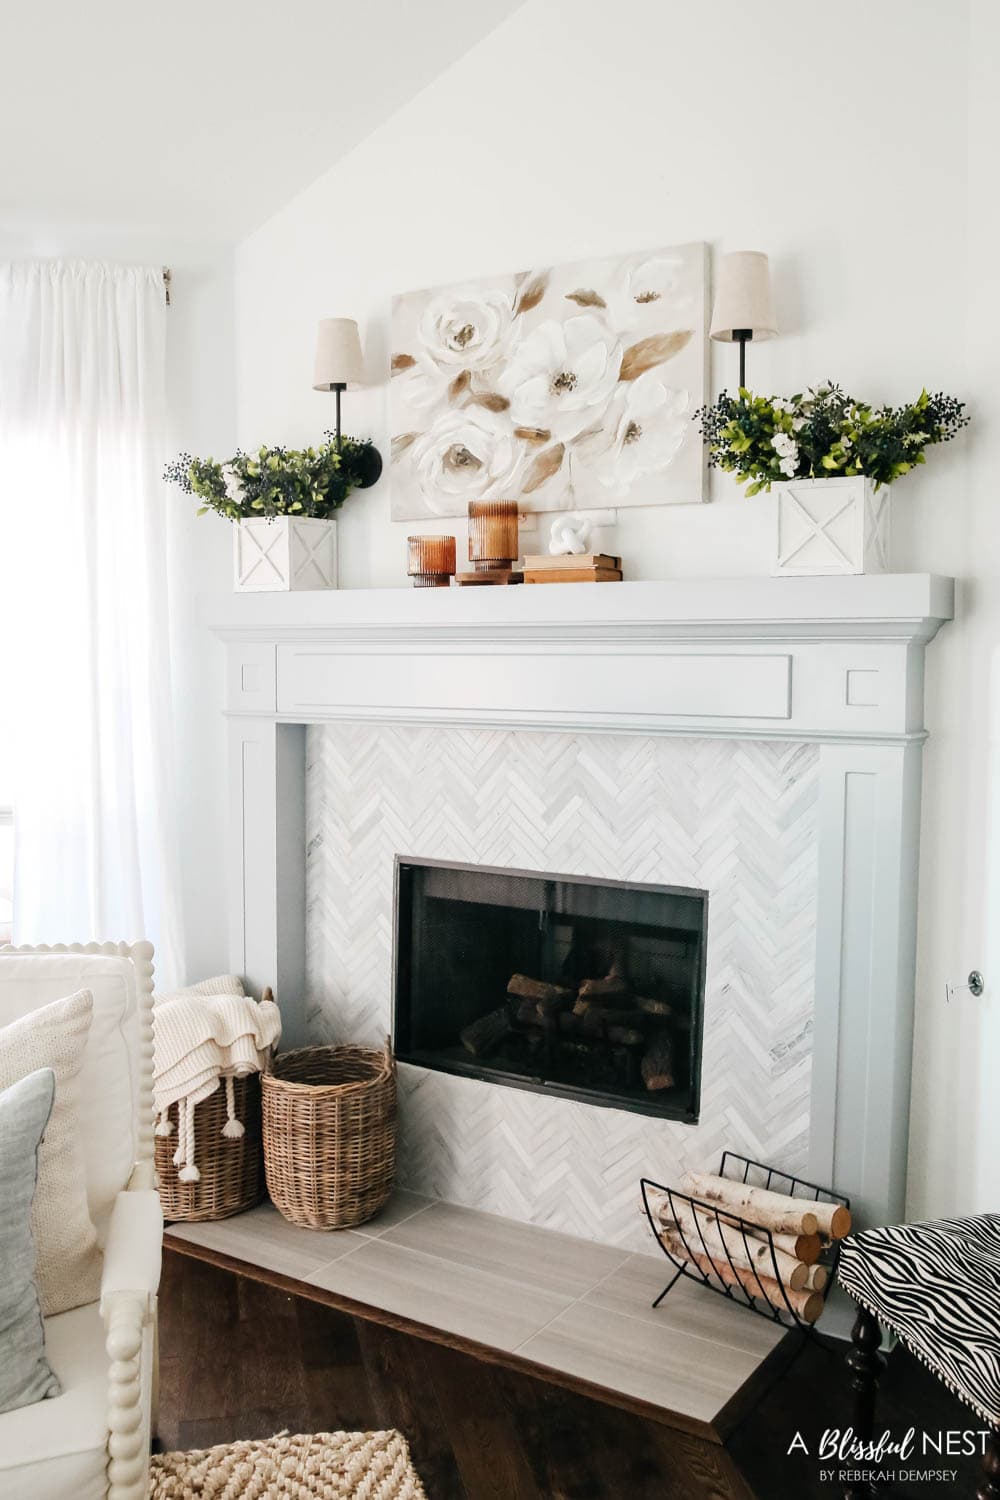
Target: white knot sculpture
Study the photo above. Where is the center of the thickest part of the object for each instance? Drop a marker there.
(569, 534)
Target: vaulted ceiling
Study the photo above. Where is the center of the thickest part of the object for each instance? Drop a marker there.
(199, 118)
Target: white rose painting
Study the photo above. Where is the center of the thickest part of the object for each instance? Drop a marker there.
(567, 388)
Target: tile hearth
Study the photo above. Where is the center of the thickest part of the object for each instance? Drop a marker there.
(568, 1306)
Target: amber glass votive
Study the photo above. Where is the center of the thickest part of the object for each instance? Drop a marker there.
(493, 538)
(431, 561)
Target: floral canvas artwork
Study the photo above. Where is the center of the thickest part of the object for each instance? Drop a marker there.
(571, 387)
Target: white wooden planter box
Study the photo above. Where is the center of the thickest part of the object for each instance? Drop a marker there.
(288, 552)
(831, 526)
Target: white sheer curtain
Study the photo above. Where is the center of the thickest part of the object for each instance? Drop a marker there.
(86, 683)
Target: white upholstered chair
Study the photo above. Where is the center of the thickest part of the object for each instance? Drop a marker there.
(93, 1441)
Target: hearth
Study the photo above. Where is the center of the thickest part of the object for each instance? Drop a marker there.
(565, 985)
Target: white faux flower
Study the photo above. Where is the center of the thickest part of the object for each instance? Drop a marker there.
(642, 433)
(467, 328)
(468, 454)
(561, 377)
(787, 450)
(234, 490)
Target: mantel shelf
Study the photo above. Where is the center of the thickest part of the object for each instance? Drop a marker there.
(819, 658)
(896, 606)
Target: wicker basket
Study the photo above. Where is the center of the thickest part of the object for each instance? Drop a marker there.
(330, 1134)
(231, 1176)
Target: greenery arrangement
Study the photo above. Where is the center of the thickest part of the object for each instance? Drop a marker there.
(822, 435)
(277, 481)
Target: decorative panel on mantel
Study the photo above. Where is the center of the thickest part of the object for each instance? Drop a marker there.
(734, 817)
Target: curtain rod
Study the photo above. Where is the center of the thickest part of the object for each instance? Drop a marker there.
(167, 278)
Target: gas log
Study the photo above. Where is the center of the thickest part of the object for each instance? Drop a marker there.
(626, 1036)
(597, 1019)
(570, 1024)
(551, 1005)
(612, 987)
(657, 1066)
(806, 1304)
(553, 996)
(654, 1007)
(527, 1014)
(483, 1036)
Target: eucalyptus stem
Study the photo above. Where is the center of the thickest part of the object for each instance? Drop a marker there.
(276, 481)
(824, 434)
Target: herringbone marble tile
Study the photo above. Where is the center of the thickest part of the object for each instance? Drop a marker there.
(736, 818)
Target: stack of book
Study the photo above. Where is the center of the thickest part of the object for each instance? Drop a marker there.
(586, 567)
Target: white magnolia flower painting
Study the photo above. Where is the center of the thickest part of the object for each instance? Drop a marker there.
(568, 388)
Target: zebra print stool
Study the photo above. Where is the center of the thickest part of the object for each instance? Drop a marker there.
(937, 1287)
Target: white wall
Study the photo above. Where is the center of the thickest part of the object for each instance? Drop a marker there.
(954, 1163)
(843, 149)
(202, 412)
(570, 132)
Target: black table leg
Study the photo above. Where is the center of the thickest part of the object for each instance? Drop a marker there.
(989, 1483)
(866, 1365)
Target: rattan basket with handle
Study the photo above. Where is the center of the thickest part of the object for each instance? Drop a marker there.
(232, 1177)
(330, 1134)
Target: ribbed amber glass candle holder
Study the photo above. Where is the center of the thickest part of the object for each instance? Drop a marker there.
(431, 561)
(493, 539)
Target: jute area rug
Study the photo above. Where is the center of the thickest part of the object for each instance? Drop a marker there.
(317, 1466)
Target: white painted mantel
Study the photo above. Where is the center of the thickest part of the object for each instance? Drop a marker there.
(837, 661)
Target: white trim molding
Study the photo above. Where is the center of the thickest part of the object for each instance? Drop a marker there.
(837, 661)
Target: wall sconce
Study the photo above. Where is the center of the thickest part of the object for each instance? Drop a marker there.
(338, 365)
(743, 309)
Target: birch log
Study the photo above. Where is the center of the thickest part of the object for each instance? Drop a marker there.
(833, 1219)
(806, 1304)
(818, 1278)
(806, 1247)
(774, 1211)
(725, 1244)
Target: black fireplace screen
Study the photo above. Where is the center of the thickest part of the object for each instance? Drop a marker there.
(589, 989)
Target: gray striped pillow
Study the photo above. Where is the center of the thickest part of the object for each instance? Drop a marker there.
(25, 1373)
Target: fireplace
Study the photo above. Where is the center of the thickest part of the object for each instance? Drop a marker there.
(568, 986)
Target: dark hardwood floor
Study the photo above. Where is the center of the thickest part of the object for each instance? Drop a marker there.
(241, 1359)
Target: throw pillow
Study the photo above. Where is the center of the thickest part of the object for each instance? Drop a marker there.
(69, 1262)
(25, 1373)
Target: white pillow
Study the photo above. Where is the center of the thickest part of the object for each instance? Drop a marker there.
(68, 1268)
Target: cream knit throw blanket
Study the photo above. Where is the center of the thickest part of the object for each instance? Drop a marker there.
(205, 1035)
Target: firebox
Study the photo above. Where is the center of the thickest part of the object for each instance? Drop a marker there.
(588, 989)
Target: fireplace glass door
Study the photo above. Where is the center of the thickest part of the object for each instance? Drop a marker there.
(591, 990)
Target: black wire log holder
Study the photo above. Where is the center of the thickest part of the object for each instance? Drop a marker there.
(723, 1220)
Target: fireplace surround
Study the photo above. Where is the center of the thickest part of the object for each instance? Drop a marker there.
(569, 986)
(826, 669)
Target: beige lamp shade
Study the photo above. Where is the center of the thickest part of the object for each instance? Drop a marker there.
(743, 297)
(338, 354)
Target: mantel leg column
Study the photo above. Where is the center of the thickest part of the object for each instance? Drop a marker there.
(267, 863)
(869, 821)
